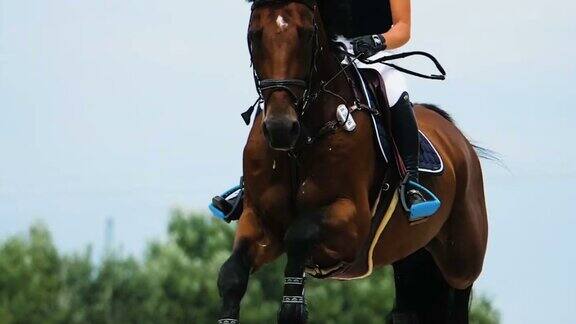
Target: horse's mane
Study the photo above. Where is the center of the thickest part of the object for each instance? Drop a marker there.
(483, 152)
(438, 110)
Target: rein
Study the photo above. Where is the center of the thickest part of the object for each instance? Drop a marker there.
(383, 60)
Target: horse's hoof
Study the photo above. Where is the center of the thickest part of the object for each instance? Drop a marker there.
(293, 314)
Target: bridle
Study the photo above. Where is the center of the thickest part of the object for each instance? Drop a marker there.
(266, 87)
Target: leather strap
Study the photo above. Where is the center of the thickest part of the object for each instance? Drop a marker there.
(274, 83)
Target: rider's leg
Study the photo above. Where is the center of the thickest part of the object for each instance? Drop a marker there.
(405, 133)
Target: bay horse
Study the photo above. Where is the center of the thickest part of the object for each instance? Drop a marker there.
(314, 199)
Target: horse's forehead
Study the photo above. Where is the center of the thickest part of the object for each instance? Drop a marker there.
(281, 22)
(282, 16)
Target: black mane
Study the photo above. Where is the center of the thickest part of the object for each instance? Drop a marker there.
(438, 110)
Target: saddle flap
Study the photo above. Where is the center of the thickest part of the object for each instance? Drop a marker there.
(430, 160)
(377, 89)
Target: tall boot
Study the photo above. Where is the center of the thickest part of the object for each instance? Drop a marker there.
(406, 137)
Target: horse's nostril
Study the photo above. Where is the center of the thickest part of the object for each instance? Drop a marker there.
(265, 130)
(295, 130)
(281, 133)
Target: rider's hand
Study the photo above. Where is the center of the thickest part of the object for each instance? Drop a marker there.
(368, 45)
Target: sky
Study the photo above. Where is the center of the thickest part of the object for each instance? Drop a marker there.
(126, 109)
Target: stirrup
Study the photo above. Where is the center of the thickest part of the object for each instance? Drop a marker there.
(421, 210)
(229, 205)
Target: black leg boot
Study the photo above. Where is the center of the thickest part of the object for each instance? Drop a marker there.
(405, 133)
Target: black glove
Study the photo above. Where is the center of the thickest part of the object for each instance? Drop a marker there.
(368, 45)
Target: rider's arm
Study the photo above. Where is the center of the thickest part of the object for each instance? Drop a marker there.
(399, 34)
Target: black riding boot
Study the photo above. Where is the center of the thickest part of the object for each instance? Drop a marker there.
(405, 133)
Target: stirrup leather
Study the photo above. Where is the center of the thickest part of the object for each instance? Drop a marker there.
(229, 205)
(427, 208)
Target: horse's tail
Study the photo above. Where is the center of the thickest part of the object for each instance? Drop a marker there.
(488, 154)
(482, 152)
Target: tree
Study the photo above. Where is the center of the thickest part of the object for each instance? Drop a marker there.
(30, 278)
(174, 282)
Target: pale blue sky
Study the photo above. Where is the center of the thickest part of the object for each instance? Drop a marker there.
(115, 108)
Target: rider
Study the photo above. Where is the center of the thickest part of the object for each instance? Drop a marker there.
(370, 28)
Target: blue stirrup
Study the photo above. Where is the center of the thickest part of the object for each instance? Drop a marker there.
(424, 209)
(227, 206)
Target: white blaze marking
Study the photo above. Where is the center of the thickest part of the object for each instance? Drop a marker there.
(281, 23)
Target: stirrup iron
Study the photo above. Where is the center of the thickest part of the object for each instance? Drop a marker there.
(229, 205)
(419, 211)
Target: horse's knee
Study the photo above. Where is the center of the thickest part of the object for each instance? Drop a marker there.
(302, 235)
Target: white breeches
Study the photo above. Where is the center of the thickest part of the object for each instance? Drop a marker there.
(394, 80)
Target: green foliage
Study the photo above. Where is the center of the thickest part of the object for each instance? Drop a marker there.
(483, 312)
(30, 278)
(175, 282)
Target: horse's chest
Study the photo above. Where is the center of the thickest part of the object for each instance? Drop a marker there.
(309, 193)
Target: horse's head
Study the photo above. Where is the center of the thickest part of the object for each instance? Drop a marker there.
(282, 38)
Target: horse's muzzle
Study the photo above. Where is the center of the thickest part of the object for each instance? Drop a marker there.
(282, 132)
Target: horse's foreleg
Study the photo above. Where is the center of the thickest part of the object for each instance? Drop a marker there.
(232, 284)
(252, 249)
(299, 240)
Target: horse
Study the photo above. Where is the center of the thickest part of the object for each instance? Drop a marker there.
(311, 187)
